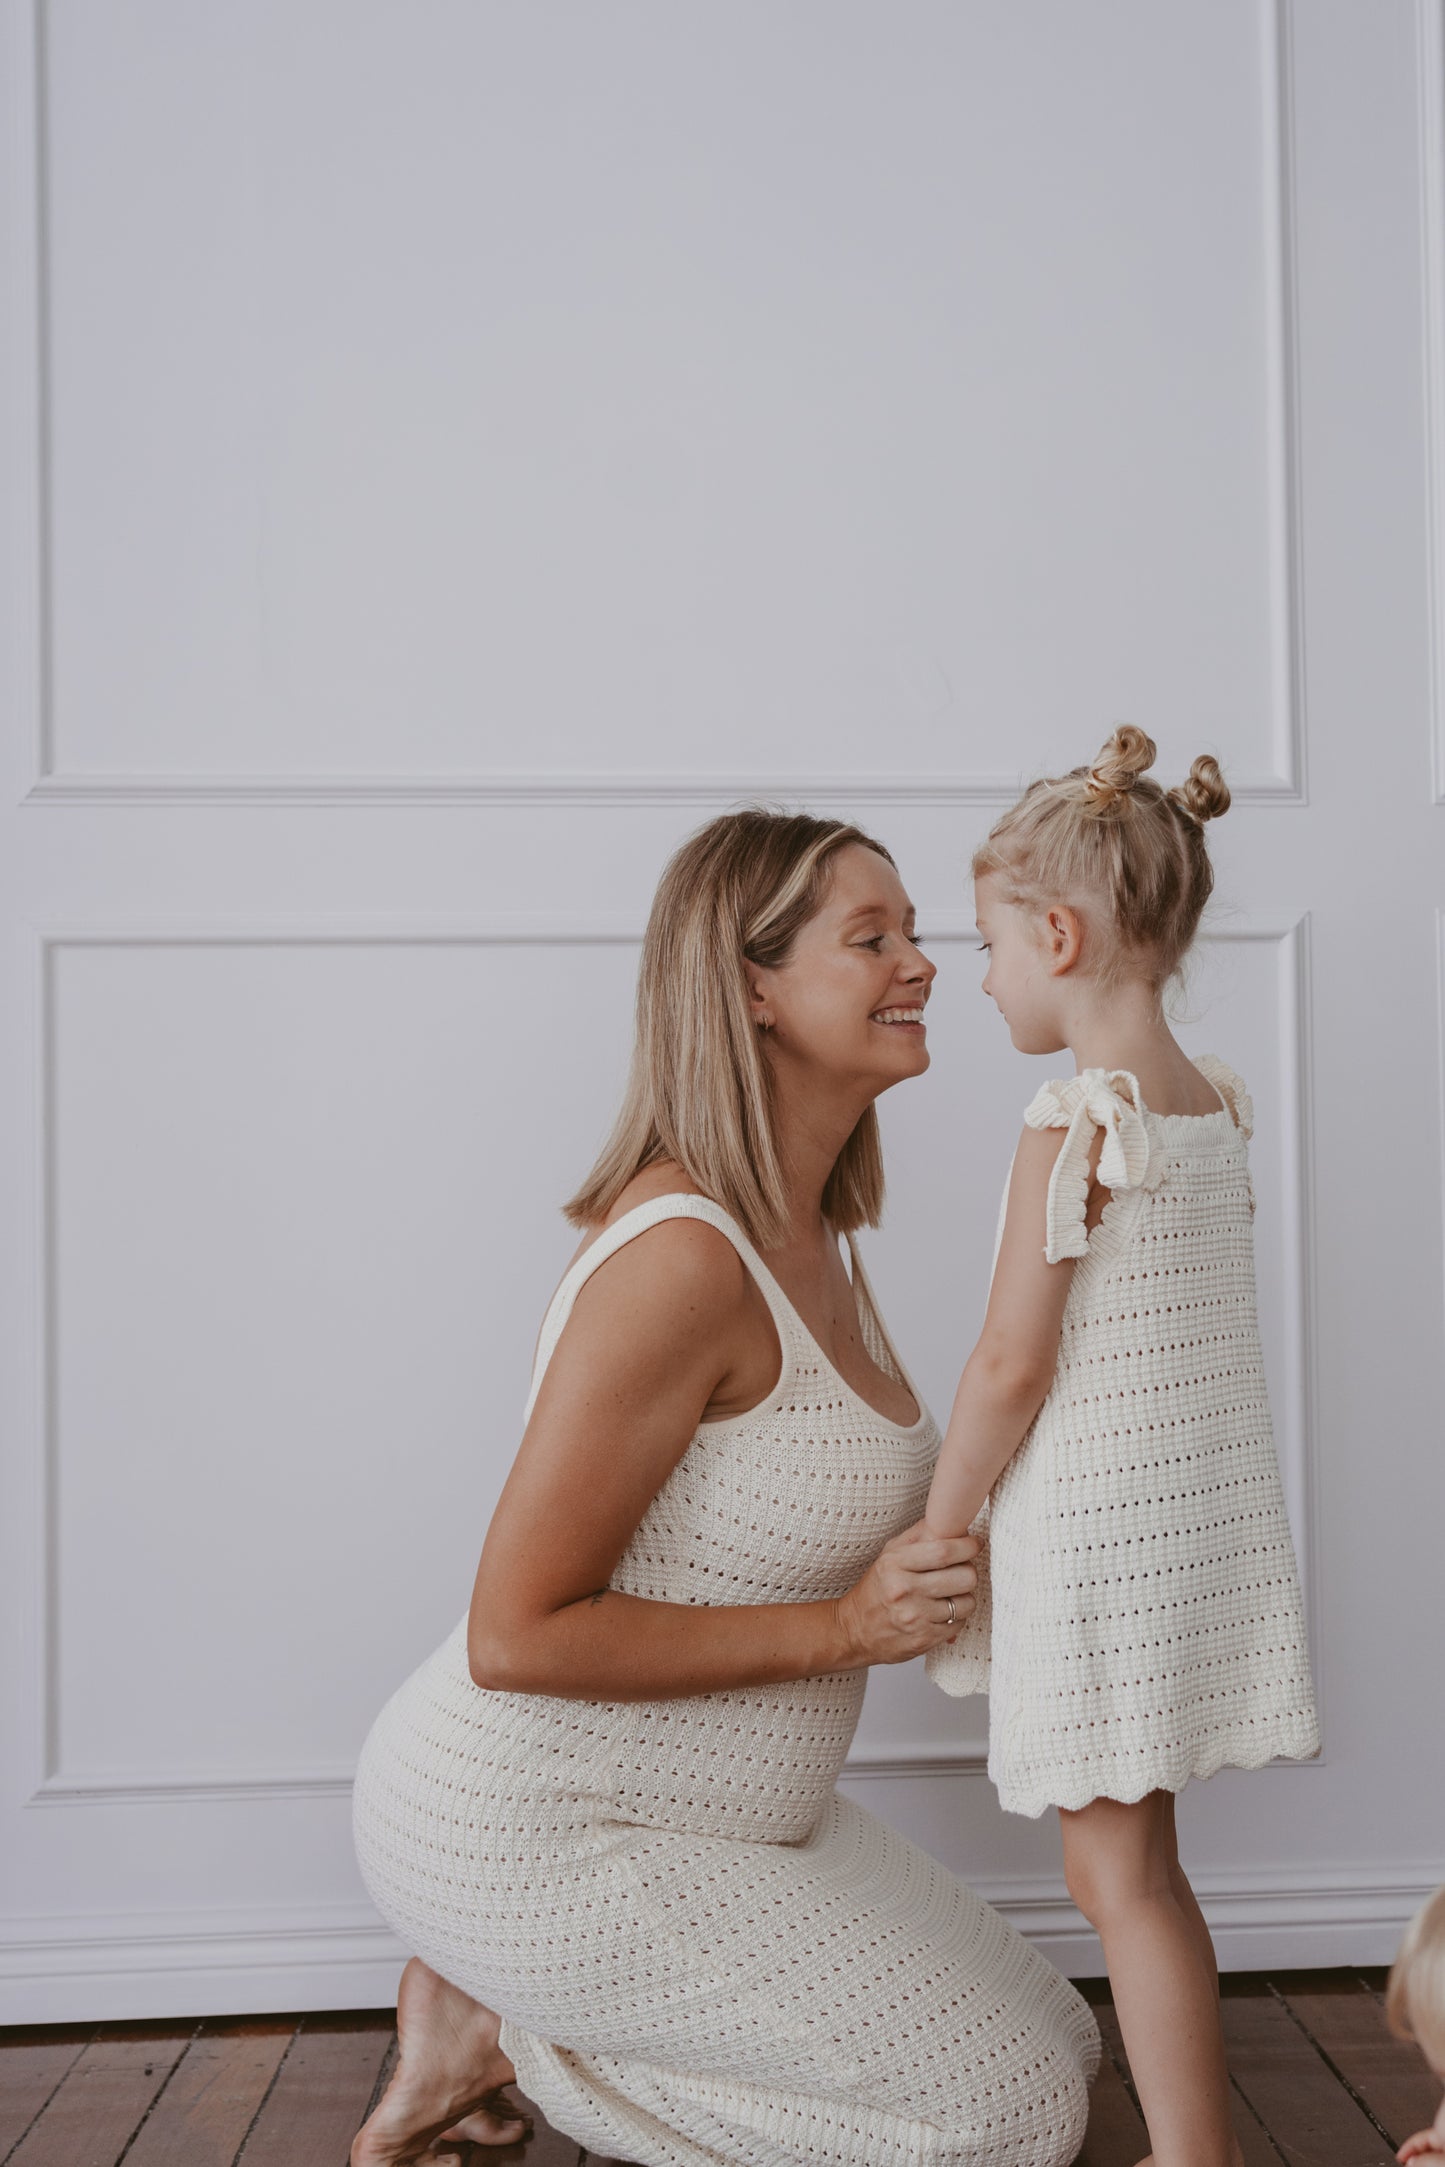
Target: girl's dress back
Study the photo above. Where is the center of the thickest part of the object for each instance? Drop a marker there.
(1140, 1619)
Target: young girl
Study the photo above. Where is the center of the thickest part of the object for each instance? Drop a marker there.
(1415, 2006)
(1142, 1601)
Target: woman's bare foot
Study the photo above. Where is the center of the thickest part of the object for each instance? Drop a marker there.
(448, 2064)
(497, 2122)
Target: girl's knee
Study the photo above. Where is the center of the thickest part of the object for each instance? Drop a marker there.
(1116, 1856)
(1084, 1884)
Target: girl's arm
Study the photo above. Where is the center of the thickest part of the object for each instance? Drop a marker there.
(653, 1338)
(1007, 1377)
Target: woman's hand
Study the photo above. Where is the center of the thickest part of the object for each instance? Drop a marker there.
(1425, 2144)
(900, 1608)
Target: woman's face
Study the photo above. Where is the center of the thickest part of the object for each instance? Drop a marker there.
(850, 997)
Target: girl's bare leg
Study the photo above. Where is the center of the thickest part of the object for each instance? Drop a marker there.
(1188, 1903)
(1123, 1872)
(449, 2063)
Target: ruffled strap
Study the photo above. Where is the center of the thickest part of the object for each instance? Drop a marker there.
(1097, 1098)
(1230, 1088)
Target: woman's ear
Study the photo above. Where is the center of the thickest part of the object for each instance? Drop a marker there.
(1063, 939)
(759, 1005)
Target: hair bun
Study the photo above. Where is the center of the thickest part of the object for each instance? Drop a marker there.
(1204, 794)
(1118, 766)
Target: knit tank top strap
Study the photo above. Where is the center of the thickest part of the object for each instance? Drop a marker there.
(637, 1221)
(1231, 1088)
(876, 1335)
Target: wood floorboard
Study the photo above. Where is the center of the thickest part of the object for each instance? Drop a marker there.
(321, 2093)
(32, 2065)
(1280, 2071)
(215, 2093)
(1347, 2022)
(1319, 2082)
(104, 2097)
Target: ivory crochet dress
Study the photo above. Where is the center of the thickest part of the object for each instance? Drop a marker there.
(1141, 1606)
(701, 1953)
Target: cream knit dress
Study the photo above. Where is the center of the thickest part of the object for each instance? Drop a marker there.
(701, 1953)
(1140, 1602)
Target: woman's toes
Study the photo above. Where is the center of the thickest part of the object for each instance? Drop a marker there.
(497, 2122)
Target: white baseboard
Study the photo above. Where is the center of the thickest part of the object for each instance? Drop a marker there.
(177, 1964)
(1279, 1920)
(340, 1956)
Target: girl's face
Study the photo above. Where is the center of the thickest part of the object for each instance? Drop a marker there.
(850, 998)
(1020, 980)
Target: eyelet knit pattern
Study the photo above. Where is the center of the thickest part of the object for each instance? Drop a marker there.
(1142, 1621)
(701, 1954)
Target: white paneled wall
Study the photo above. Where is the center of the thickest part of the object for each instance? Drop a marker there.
(447, 451)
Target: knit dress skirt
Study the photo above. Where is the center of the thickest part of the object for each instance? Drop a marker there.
(1140, 1619)
(700, 1952)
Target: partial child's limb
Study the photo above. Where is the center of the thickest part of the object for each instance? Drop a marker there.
(1007, 1377)
(1427, 2144)
(1122, 1868)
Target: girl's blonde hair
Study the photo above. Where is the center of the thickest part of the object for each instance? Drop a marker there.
(1415, 1996)
(1110, 833)
(700, 1091)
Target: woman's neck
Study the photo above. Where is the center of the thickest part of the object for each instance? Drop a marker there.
(813, 1125)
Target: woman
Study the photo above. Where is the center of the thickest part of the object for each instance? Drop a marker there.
(605, 1809)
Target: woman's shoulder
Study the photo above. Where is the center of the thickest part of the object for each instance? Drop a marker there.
(685, 1256)
(666, 1178)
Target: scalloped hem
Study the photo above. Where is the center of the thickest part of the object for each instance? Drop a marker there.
(1072, 1797)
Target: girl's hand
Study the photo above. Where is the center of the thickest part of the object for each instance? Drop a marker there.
(1426, 2143)
(899, 1608)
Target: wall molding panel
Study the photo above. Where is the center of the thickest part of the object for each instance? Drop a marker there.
(51, 1784)
(1284, 783)
(617, 790)
(56, 1785)
(1430, 65)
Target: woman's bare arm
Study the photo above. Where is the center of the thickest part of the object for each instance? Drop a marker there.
(652, 1339)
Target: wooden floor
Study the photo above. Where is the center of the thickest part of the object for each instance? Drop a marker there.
(1318, 2082)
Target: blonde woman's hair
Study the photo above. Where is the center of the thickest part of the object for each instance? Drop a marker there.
(700, 1091)
(1112, 835)
(1415, 1996)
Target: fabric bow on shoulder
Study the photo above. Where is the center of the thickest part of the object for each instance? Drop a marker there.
(1097, 1098)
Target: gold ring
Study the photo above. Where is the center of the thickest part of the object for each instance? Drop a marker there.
(949, 1600)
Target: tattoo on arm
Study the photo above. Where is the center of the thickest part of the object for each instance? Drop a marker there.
(596, 1596)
